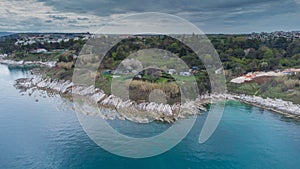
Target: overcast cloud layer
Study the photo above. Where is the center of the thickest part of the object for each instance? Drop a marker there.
(217, 16)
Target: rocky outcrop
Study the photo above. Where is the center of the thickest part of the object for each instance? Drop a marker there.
(127, 108)
(278, 105)
(147, 112)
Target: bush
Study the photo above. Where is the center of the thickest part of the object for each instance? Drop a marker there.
(169, 88)
(291, 83)
(65, 65)
(264, 88)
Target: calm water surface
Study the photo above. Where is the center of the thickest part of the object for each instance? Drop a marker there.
(38, 131)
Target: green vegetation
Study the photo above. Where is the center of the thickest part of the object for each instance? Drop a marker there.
(286, 88)
(35, 57)
(25, 52)
(238, 53)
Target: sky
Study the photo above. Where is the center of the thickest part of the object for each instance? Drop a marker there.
(211, 16)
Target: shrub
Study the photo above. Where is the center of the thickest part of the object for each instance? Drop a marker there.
(291, 83)
(65, 65)
(168, 88)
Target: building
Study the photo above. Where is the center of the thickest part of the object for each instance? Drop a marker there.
(185, 73)
(40, 50)
(172, 71)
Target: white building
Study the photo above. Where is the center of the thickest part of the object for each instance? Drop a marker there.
(172, 71)
(40, 50)
(185, 73)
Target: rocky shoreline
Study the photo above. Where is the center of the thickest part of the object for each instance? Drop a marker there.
(147, 112)
(22, 62)
(131, 110)
(286, 108)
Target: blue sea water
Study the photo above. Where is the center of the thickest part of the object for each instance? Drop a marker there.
(41, 131)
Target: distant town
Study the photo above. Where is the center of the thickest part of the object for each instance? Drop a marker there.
(277, 34)
(30, 39)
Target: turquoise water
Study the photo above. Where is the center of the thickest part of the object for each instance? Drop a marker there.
(38, 131)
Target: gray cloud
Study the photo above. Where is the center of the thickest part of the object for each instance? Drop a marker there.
(232, 16)
(83, 19)
(106, 8)
(72, 21)
(58, 17)
(217, 13)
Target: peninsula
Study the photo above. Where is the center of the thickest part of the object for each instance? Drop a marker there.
(261, 69)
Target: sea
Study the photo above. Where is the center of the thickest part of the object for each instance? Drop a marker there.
(41, 130)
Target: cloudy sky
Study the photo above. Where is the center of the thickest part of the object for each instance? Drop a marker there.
(211, 16)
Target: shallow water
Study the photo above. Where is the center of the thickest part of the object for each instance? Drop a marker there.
(38, 131)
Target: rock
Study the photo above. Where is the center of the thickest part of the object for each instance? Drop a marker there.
(142, 112)
(98, 97)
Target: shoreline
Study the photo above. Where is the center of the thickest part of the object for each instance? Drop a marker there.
(26, 63)
(279, 106)
(128, 109)
(152, 111)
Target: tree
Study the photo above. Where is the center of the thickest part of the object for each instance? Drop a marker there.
(268, 54)
(293, 48)
(263, 65)
(239, 52)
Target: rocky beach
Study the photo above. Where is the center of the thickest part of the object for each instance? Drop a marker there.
(147, 112)
(128, 109)
(277, 105)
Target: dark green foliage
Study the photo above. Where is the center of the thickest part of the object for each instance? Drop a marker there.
(241, 54)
